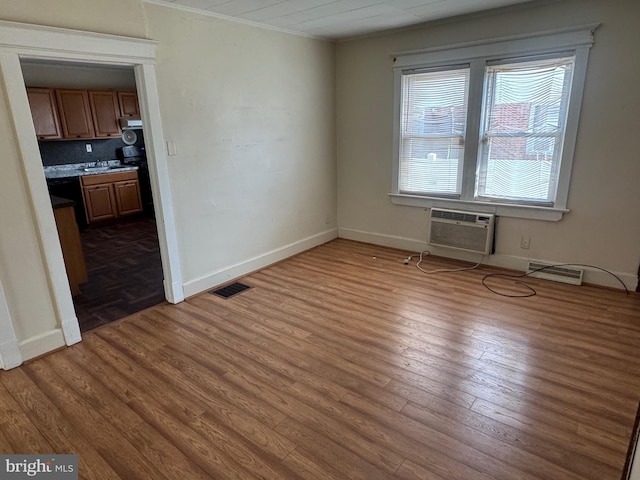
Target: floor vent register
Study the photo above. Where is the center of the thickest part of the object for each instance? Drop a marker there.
(230, 290)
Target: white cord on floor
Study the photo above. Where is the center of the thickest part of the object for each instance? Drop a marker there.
(439, 270)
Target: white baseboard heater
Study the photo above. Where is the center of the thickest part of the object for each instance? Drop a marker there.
(559, 273)
(469, 231)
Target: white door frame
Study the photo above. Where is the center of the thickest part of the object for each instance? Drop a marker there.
(18, 41)
(10, 355)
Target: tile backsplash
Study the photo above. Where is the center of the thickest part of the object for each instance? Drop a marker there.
(74, 151)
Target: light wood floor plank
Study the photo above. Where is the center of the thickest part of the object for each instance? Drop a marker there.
(162, 453)
(18, 429)
(94, 427)
(533, 453)
(54, 427)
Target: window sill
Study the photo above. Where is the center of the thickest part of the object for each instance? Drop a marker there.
(502, 209)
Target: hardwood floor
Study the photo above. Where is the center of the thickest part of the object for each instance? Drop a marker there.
(344, 363)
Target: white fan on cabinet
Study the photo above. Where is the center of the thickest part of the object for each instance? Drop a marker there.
(129, 137)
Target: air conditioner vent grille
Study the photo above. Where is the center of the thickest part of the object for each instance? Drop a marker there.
(453, 215)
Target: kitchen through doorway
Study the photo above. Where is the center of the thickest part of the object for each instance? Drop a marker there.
(115, 221)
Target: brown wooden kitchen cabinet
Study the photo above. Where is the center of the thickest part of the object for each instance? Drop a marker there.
(99, 202)
(71, 114)
(105, 112)
(75, 113)
(127, 193)
(128, 102)
(111, 195)
(44, 113)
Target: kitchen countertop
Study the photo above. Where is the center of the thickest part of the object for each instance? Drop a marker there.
(81, 169)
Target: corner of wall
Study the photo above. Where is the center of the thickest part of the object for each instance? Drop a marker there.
(261, 261)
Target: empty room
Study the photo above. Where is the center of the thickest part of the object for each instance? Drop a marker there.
(374, 239)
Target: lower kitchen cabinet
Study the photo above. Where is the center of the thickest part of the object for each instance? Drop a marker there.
(127, 195)
(111, 195)
(99, 202)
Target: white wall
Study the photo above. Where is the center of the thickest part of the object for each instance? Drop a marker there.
(603, 227)
(252, 115)
(117, 17)
(635, 467)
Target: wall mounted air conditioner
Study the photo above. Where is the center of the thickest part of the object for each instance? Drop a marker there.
(469, 231)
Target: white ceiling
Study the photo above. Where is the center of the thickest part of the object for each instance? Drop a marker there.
(336, 19)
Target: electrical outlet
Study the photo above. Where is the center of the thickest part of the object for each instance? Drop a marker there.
(88, 147)
(525, 242)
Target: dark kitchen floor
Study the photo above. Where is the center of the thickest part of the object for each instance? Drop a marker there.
(125, 273)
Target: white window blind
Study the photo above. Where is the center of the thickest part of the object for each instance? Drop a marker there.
(525, 112)
(432, 130)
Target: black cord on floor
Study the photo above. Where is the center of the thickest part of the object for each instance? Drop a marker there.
(532, 291)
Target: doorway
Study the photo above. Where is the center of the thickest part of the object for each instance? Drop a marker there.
(23, 41)
(121, 256)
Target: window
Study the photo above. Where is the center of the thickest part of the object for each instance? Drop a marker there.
(490, 124)
(519, 158)
(434, 115)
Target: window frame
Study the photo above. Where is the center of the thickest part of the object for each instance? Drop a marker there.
(574, 40)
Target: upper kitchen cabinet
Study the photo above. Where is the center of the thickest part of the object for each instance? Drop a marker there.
(71, 114)
(128, 102)
(75, 113)
(44, 113)
(105, 112)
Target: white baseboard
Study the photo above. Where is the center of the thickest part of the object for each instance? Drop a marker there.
(71, 331)
(41, 344)
(391, 241)
(175, 292)
(13, 353)
(256, 263)
(10, 355)
(592, 276)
